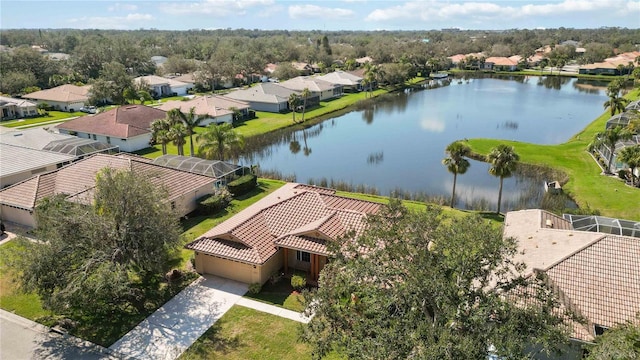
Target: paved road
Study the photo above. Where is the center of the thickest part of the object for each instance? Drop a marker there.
(24, 339)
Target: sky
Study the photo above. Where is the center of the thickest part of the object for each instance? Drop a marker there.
(328, 15)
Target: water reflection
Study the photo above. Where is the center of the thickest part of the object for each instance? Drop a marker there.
(400, 143)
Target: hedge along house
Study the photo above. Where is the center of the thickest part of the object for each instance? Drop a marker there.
(288, 229)
(77, 181)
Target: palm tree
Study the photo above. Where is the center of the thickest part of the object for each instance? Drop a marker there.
(615, 103)
(543, 64)
(160, 133)
(503, 160)
(609, 138)
(294, 101)
(191, 120)
(217, 141)
(630, 155)
(306, 149)
(305, 94)
(177, 133)
(456, 163)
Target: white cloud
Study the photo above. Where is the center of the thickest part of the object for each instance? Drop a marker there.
(438, 10)
(215, 7)
(432, 125)
(314, 11)
(123, 7)
(130, 21)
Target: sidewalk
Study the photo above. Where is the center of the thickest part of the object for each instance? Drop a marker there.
(274, 310)
(169, 331)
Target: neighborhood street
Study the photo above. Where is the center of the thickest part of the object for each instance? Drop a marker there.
(24, 339)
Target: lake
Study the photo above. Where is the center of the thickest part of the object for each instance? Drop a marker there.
(398, 141)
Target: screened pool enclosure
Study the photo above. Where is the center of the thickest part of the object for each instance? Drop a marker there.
(220, 170)
(604, 225)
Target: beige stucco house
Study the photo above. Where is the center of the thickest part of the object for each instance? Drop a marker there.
(77, 181)
(288, 229)
(64, 97)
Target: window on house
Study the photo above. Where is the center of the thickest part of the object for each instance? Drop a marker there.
(303, 256)
(94, 136)
(108, 140)
(599, 329)
(173, 205)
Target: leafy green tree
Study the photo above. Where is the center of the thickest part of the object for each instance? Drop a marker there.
(503, 161)
(97, 257)
(630, 155)
(219, 142)
(618, 343)
(305, 95)
(420, 285)
(456, 163)
(294, 101)
(14, 82)
(609, 138)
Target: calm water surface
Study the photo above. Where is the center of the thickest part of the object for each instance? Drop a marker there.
(399, 141)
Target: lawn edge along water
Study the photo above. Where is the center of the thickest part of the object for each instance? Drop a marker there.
(586, 185)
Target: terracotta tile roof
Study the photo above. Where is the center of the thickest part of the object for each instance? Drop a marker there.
(121, 122)
(78, 178)
(299, 215)
(212, 105)
(549, 220)
(595, 274)
(602, 281)
(501, 61)
(63, 93)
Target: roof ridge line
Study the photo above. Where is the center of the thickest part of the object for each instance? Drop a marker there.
(591, 243)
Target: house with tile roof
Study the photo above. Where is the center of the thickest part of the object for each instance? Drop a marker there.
(269, 97)
(288, 229)
(161, 87)
(217, 109)
(596, 275)
(12, 108)
(77, 182)
(349, 82)
(317, 87)
(24, 153)
(64, 97)
(128, 126)
(501, 63)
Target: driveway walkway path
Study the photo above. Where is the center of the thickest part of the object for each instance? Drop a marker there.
(170, 330)
(278, 311)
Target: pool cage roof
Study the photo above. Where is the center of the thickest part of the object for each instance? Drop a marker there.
(212, 168)
(621, 119)
(634, 105)
(604, 225)
(79, 147)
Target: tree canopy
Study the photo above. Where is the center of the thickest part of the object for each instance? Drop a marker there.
(101, 254)
(424, 286)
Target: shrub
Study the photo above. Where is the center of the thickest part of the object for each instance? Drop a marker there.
(243, 184)
(255, 288)
(622, 174)
(275, 277)
(210, 204)
(298, 282)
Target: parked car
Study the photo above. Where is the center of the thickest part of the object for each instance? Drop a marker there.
(89, 109)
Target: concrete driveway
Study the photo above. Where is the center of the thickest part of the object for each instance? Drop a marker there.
(169, 331)
(21, 339)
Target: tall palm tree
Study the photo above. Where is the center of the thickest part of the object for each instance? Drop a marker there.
(217, 141)
(305, 94)
(503, 160)
(177, 133)
(456, 162)
(294, 101)
(630, 155)
(191, 120)
(609, 138)
(160, 133)
(615, 103)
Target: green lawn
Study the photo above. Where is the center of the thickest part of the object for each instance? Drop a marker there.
(107, 331)
(56, 116)
(280, 294)
(244, 333)
(586, 185)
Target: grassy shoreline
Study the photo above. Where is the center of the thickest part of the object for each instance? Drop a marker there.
(587, 186)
